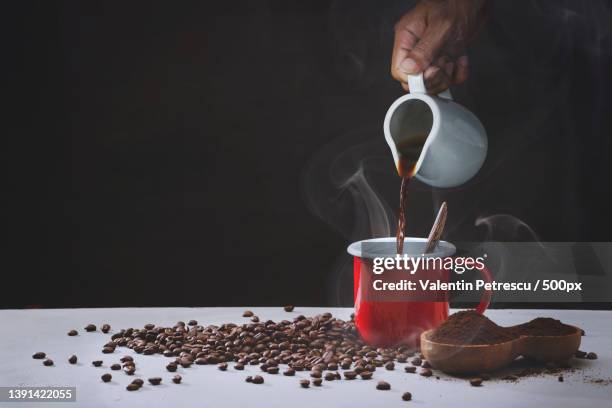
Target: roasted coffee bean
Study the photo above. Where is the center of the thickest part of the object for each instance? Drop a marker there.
(106, 377)
(383, 386)
(580, 354)
(201, 361)
(151, 326)
(330, 376)
(72, 359)
(129, 370)
(591, 356)
(126, 359)
(185, 363)
(73, 332)
(332, 366)
(222, 366)
(105, 328)
(416, 361)
(96, 363)
(48, 362)
(426, 364)
(155, 380)
(410, 369)
(255, 319)
(39, 355)
(289, 308)
(304, 383)
(318, 367)
(366, 375)
(247, 313)
(316, 374)
(171, 367)
(258, 379)
(406, 396)
(108, 350)
(132, 387)
(90, 327)
(390, 366)
(249, 379)
(317, 382)
(426, 372)
(350, 375)
(177, 379)
(192, 323)
(475, 382)
(115, 367)
(138, 381)
(560, 379)
(345, 365)
(401, 358)
(272, 370)
(239, 366)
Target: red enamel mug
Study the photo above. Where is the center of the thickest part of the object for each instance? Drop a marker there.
(400, 318)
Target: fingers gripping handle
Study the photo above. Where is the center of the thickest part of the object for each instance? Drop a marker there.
(416, 84)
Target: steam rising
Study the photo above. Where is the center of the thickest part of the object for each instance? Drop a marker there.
(337, 188)
(505, 227)
(375, 209)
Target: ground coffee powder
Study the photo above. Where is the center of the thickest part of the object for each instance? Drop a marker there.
(470, 327)
(543, 326)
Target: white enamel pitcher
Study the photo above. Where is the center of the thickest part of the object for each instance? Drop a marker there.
(455, 144)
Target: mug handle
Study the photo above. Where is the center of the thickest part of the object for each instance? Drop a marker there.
(486, 296)
(417, 85)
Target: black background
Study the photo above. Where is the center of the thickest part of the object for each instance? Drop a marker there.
(201, 153)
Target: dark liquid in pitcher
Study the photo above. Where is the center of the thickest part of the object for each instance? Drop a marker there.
(409, 151)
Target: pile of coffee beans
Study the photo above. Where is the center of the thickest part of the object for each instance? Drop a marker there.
(320, 344)
(317, 343)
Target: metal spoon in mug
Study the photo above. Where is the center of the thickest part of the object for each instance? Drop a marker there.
(436, 230)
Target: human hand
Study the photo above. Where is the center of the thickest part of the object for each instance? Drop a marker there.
(431, 39)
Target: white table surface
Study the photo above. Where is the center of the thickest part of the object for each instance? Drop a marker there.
(25, 332)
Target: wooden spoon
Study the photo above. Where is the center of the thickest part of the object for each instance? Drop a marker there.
(437, 229)
(457, 359)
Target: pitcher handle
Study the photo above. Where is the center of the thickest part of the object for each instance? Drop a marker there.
(416, 84)
(486, 295)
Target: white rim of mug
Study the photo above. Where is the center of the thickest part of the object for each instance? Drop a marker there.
(443, 249)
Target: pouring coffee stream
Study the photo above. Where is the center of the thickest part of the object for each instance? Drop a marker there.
(409, 154)
(409, 150)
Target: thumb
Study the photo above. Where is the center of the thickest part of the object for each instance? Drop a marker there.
(425, 51)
